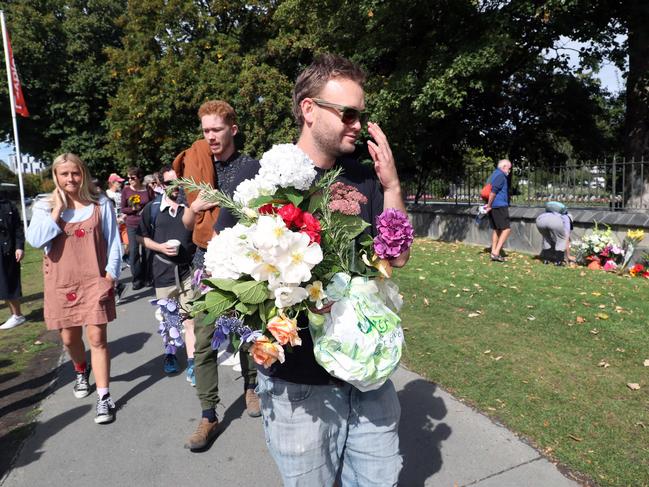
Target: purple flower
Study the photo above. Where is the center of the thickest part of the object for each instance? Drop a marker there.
(223, 326)
(395, 234)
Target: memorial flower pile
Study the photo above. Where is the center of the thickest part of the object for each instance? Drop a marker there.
(600, 249)
(299, 245)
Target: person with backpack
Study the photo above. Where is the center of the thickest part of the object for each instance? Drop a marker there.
(166, 231)
(555, 225)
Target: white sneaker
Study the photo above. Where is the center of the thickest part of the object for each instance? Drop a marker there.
(12, 322)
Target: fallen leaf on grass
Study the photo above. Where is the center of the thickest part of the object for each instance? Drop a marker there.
(474, 315)
(38, 342)
(486, 352)
(444, 291)
(603, 363)
(421, 278)
(641, 424)
(457, 295)
(497, 358)
(466, 289)
(580, 320)
(646, 363)
(602, 306)
(531, 318)
(633, 386)
(596, 293)
(452, 285)
(594, 331)
(601, 316)
(582, 273)
(620, 350)
(529, 306)
(583, 294)
(426, 302)
(573, 437)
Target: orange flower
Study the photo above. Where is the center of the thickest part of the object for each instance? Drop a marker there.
(284, 330)
(266, 353)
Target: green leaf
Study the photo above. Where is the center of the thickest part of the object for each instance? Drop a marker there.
(218, 302)
(315, 202)
(251, 292)
(351, 225)
(295, 196)
(223, 284)
(260, 201)
(246, 309)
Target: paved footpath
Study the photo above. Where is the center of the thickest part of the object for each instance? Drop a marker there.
(444, 443)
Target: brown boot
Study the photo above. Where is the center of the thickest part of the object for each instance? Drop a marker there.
(252, 404)
(204, 434)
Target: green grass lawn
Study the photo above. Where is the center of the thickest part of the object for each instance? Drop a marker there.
(547, 351)
(20, 344)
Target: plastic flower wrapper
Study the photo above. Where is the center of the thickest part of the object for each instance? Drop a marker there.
(631, 240)
(171, 324)
(361, 339)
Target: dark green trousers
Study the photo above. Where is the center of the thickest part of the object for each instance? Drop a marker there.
(206, 367)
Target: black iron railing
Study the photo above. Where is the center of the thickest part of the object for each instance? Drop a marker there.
(613, 184)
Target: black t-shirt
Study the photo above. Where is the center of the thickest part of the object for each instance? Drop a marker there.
(168, 227)
(230, 174)
(300, 365)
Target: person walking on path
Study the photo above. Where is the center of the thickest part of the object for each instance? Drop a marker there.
(317, 426)
(166, 230)
(12, 250)
(78, 233)
(498, 208)
(216, 161)
(135, 196)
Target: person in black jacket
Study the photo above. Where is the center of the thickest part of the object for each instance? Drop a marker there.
(12, 250)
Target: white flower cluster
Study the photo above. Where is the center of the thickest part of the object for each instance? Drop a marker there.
(265, 251)
(283, 166)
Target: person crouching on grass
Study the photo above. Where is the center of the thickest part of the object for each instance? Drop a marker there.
(77, 230)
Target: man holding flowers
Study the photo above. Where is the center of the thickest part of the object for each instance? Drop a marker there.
(317, 425)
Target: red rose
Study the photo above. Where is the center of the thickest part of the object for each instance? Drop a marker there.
(291, 215)
(311, 226)
(267, 209)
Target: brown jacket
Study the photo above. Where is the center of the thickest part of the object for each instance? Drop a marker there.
(197, 163)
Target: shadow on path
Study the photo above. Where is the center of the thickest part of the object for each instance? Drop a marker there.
(31, 450)
(420, 432)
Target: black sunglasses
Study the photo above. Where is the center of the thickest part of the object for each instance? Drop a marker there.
(133, 177)
(348, 115)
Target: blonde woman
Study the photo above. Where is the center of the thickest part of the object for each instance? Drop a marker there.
(77, 230)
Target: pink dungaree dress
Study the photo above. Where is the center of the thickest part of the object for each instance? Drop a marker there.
(76, 290)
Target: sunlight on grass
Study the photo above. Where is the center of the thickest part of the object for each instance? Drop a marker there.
(548, 351)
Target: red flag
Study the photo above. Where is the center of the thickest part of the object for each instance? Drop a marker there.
(21, 106)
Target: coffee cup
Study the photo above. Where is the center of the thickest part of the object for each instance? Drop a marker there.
(173, 243)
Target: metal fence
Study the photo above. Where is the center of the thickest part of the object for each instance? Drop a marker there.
(613, 184)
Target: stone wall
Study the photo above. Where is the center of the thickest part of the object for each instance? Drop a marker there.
(458, 223)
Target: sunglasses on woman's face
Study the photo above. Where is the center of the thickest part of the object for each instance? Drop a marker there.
(132, 177)
(348, 115)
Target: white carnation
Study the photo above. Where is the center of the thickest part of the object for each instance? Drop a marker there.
(286, 165)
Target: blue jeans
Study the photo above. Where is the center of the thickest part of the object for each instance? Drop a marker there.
(313, 432)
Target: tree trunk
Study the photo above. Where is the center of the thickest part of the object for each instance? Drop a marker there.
(637, 104)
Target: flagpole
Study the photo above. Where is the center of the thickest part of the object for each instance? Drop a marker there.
(19, 162)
